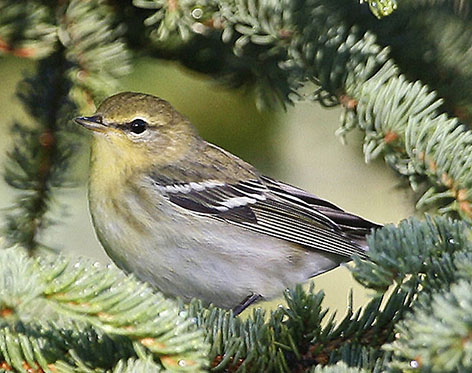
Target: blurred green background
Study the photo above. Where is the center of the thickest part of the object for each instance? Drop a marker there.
(297, 146)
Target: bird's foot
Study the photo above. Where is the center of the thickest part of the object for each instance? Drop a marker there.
(252, 298)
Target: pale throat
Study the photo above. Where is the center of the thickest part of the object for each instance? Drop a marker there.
(115, 160)
(113, 163)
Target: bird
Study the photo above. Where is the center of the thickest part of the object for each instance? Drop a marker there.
(196, 221)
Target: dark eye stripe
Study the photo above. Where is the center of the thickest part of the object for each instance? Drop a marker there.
(136, 126)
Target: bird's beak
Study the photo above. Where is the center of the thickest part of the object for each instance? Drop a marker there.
(94, 123)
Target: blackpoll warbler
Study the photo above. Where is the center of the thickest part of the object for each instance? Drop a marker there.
(196, 221)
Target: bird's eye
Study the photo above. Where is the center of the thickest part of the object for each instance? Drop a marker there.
(138, 126)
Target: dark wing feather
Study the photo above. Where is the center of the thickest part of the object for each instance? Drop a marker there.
(275, 209)
(347, 221)
(200, 205)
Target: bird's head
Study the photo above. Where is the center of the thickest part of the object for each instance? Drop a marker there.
(140, 126)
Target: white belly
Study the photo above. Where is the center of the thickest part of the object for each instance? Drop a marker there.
(202, 258)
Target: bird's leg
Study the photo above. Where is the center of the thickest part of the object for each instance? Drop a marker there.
(252, 298)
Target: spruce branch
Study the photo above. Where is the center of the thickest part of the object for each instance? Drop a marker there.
(297, 337)
(136, 366)
(84, 315)
(27, 29)
(41, 155)
(430, 43)
(432, 150)
(433, 261)
(414, 255)
(87, 32)
(338, 368)
(436, 337)
(92, 40)
(88, 59)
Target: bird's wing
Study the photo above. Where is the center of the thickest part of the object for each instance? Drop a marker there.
(351, 224)
(275, 209)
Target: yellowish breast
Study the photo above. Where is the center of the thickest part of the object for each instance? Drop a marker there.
(115, 198)
(115, 161)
